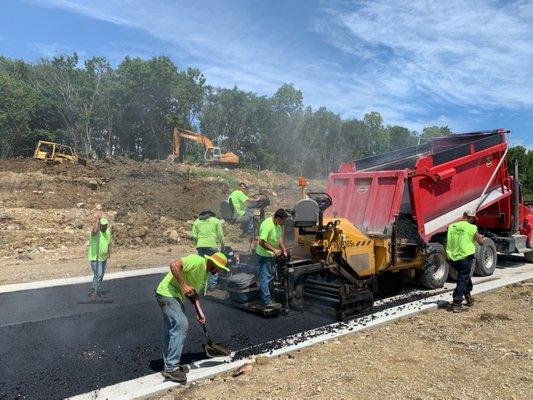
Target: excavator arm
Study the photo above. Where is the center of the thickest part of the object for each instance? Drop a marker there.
(212, 155)
(182, 133)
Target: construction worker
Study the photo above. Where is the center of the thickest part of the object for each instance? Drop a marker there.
(460, 249)
(208, 234)
(243, 214)
(187, 276)
(269, 247)
(99, 251)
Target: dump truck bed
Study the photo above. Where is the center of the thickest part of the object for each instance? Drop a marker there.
(432, 184)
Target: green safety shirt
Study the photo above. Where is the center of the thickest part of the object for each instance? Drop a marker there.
(460, 242)
(208, 232)
(270, 233)
(195, 275)
(99, 245)
(238, 199)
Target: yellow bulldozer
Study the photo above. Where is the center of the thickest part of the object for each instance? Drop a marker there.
(213, 156)
(57, 153)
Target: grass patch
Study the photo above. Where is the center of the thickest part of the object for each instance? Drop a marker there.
(212, 173)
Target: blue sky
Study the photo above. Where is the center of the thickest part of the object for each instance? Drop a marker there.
(465, 64)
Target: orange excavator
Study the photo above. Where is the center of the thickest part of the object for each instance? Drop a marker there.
(213, 156)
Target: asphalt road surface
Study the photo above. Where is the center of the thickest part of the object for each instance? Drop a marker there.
(53, 347)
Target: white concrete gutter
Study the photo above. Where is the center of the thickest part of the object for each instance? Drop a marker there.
(154, 384)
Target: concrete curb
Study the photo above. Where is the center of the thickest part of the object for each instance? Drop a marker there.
(17, 287)
(154, 384)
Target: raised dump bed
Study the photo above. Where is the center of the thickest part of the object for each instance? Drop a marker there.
(432, 184)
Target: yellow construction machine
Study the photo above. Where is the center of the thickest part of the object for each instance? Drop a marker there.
(213, 156)
(51, 152)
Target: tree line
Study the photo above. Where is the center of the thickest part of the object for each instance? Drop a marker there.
(130, 110)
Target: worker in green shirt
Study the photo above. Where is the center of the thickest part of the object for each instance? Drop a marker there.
(269, 247)
(99, 252)
(187, 276)
(243, 214)
(208, 234)
(460, 249)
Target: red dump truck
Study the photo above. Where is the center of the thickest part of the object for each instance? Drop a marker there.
(417, 192)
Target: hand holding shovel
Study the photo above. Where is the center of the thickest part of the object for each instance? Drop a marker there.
(211, 349)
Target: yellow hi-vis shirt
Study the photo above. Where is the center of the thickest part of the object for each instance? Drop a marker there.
(99, 245)
(238, 199)
(460, 242)
(270, 233)
(208, 232)
(194, 273)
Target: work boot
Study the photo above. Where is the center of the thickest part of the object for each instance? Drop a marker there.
(272, 306)
(177, 375)
(184, 368)
(469, 300)
(458, 307)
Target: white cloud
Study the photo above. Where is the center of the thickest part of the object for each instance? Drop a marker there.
(411, 60)
(49, 50)
(475, 53)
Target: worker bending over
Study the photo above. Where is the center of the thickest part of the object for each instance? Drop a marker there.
(460, 249)
(269, 247)
(208, 234)
(243, 214)
(187, 276)
(99, 252)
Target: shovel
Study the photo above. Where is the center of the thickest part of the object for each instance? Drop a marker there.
(212, 349)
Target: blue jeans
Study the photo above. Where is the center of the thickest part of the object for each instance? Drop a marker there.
(267, 270)
(247, 221)
(98, 268)
(175, 326)
(209, 251)
(464, 281)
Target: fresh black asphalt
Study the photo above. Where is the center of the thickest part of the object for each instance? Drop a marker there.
(53, 347)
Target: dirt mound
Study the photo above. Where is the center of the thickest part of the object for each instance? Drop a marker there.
(150, 203)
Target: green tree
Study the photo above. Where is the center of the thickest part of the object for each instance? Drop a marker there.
(401, 137)
(430, 132)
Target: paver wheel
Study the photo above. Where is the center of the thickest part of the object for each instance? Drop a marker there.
(486, 258)
(436, 267)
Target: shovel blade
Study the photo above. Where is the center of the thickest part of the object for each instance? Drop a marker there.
(214, 349)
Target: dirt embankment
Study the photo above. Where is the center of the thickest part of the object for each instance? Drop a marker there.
(485, 353)
(46, 210)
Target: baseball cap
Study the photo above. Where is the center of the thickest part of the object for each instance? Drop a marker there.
(103, 221)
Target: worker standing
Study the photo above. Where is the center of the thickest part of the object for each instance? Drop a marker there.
(269, 247)
(208, 234)
(187, 276)
(244, 215)
(99, 251)
(460, 249)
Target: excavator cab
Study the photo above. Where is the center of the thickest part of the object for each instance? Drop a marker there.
(212, 154)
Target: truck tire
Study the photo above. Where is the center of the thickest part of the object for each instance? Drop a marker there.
(486, 258)
(436, 267)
